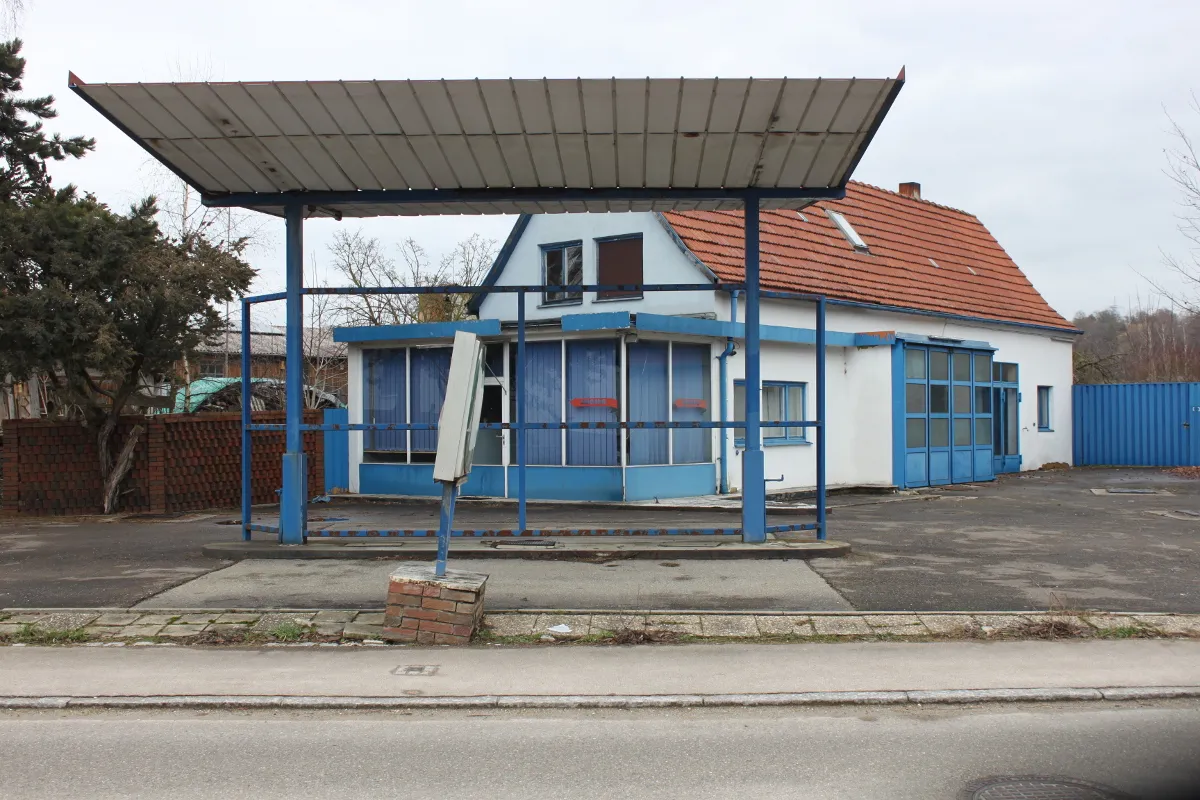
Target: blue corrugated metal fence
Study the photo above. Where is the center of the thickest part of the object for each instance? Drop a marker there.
(1137, 424)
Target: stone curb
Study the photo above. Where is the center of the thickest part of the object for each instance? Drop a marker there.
(348, 627)
(792, 699)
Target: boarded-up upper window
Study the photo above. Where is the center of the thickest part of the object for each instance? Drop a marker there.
(619, 263)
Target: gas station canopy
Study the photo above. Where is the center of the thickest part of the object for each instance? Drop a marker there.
(383, 148)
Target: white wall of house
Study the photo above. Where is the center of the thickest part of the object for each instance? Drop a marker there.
(662, 258)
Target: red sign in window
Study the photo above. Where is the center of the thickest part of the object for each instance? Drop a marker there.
(691, 402)
(594, 402)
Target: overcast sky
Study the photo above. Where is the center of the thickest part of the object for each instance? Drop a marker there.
(1044, 119)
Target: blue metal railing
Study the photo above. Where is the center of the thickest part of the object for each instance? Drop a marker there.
(293, 427)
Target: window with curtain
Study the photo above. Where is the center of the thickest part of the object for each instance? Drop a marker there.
(781, 401)
(542, 386)
(592, 396)
(648, 401)
(562, 265)
(618, 263)
(690, 384)
(384, 399)
(429, 370)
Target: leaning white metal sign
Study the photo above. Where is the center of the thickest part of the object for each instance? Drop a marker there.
(458, 426)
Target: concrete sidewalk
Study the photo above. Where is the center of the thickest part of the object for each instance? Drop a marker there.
(909, 672)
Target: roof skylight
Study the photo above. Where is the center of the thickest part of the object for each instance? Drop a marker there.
(848, 231)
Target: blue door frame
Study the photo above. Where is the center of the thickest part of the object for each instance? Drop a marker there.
(1006, 420)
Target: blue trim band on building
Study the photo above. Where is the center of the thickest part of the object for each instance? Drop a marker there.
(417, 330)
(600, 321)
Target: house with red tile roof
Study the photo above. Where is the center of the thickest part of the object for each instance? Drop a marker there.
(944, 363)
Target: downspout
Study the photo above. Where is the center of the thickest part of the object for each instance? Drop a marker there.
(724, 379)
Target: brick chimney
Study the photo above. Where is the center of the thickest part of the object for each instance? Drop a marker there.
(911, 189)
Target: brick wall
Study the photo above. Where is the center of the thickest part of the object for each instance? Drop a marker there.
(184, 462)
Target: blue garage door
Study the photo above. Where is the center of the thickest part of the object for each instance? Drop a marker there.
(947, 401)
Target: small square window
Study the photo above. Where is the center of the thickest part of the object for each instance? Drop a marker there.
(1044, 408)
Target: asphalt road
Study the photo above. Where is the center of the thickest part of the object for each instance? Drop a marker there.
(1152, 752)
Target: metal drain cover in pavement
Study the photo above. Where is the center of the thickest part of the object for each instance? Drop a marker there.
(1039, 787)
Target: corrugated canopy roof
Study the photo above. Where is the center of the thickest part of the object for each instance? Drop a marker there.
(375, 148)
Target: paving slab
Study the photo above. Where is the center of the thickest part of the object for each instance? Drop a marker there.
(510, 624)
(841, 626)
(140, 631)
(622, 585)
(779, 625)
(733, 625)
(181, 631)
(616, 623)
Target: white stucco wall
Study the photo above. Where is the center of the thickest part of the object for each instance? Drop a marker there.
(662, 262)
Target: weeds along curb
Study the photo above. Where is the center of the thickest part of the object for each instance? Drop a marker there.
(794, 699)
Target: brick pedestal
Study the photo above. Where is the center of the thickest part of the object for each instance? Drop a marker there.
(426, 609)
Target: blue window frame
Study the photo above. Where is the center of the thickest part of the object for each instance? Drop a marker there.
(781, 400)
(1043, 408)
(562, 265)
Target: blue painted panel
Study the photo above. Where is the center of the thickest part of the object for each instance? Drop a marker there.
(484, 481)
(648, 401)
(543, 401)
(401, 479)
(983, 464)
(592, 378)
(418, 330)
(662, 323)
(679, 480)
(599, 321)
(337, 452)
(571, 483)
(384, 397)
(939, 466)
(690, 379)
(416, 480)
(962, 471)
(1137, 424)
(915, 465)
(428, 369)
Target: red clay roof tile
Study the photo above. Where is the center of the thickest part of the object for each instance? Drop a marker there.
(973, 275)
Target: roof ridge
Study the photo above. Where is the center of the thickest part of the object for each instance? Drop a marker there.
(914, 199)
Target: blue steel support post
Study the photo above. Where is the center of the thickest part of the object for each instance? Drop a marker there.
(754, 488)
(519, 390)
(820, 429)
(724, 380)
(445, 526)
(293, 502)
(247, 489)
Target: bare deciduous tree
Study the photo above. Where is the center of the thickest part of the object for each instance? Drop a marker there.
(324, 359)
(10, 15)
(361, 260)
(1183, 168)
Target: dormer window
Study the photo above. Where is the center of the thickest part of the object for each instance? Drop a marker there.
(848, 231)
